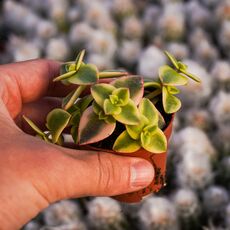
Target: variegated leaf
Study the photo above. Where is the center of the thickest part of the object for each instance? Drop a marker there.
(111, 109)
(123, 96)
(124, 143)
(100, 92)
(154, 143)
(149, 110)
(134, 131)
(92, 129)
(135, 85)
(87, 74)
(171, 103)
(129, 114)
(172, 59)
(169, 76)
(56, 122)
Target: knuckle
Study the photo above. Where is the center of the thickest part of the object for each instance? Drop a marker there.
(113, 177)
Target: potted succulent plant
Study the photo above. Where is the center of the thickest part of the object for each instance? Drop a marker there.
(126, 115)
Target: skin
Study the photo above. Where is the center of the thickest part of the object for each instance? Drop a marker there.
(34, 174)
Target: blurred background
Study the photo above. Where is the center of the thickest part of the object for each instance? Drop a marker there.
(132, 34)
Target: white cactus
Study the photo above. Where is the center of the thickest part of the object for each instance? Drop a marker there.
(102, 42)
(215, 199)
(80, 34)
(57, 49)
(158, 213)
(132, 28)
(129, 52)
(172, 21)
(186, 203)
(178, 50)
(63, 212)
(199, 118)
(32, 225)
(198, 15)
(194, 171)
(200, 92)
(220, 108)
(191, 139)
(77, 225)
(19, 17)
(146, 66)
(105, 213)
(221, 72)
(22, 50)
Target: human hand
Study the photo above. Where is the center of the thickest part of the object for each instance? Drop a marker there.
(34, 174)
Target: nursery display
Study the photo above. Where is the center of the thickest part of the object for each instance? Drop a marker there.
(130, 35)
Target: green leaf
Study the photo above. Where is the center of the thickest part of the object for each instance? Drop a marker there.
(152, 84)
(124, 143)
(75, 118)
(87, 74)
(182, 66)
(74, 133)
(92, 129)
(169, 76)
(67, 98)
(193, 77)
(161, 121)
(112, 74)
(96, 108)
(172, 59)
(156, 142)
(57, 120)
(109, 119)
(147, 109)
(111, 109)
(79, 59)
(134, 131)
(65, 76)
(84, 102)
(150, 129)
(129, 114)
(123, 96)
(135, 85)
(70, 99)
(33, 126)
(100, 92)
(171, 103)
(173, 90)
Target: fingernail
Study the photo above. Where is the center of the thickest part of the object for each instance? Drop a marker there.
(142, 174)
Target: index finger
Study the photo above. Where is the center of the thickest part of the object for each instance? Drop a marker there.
(33, 79)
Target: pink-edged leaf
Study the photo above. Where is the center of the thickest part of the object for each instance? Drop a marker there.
(135, 84)
(92, 129)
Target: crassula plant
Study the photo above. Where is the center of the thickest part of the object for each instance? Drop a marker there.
(126, 111)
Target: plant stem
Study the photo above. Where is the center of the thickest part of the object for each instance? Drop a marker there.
(152, 84)
(111, 74)
(75, 96)
(153, 94)
(64, 76)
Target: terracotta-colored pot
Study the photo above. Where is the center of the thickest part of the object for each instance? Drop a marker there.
(157, 160)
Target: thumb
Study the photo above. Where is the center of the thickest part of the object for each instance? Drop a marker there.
(78, 173)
